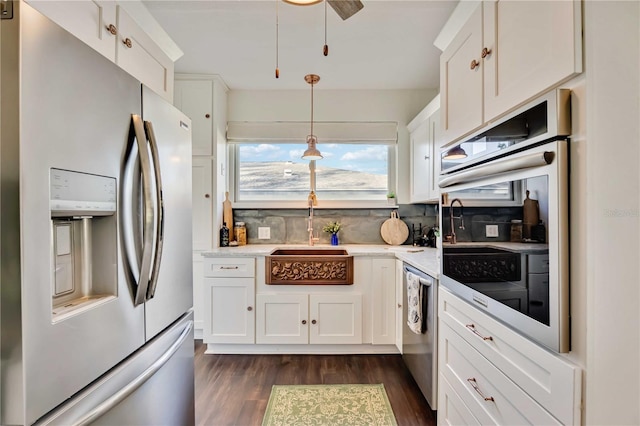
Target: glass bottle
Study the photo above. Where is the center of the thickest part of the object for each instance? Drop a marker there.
(224, 235)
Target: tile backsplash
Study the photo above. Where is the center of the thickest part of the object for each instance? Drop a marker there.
(476, 219)
(359, 226)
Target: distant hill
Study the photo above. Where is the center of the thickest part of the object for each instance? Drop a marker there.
(295, 176)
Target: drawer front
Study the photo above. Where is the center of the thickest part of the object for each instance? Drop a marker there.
(451, 409)
(489, 394)
(229, 267)
(538, 263)
(550, 380)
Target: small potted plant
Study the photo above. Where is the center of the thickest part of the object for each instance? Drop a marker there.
(391, 198)
(333, 228)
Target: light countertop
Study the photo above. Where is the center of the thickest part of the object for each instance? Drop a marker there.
(528, 248)
(424, 258)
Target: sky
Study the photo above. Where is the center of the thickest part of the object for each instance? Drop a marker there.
(358, 157)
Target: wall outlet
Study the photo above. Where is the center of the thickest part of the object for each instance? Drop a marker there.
(264, 233)
(492, 230)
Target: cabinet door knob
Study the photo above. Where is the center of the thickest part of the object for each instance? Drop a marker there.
(207, 196)
(486, 52)
(399, 305)
(474, 64)
(426, 157)
(127, 42)
(304, 321)
(313, 321)
(249, 308)
(207, 116)
(112, 29)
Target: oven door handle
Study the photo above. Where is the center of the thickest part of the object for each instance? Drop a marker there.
(506, 164)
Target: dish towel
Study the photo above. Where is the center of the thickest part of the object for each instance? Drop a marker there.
(414, 303)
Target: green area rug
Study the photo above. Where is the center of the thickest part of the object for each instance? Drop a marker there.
(328, 405)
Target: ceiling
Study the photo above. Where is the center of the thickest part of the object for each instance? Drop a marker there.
(386, 45)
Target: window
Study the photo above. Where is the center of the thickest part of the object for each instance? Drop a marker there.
(351, 172)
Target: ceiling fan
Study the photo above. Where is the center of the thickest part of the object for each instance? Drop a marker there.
(344, 8)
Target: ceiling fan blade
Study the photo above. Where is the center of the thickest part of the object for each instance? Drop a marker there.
(346, 8)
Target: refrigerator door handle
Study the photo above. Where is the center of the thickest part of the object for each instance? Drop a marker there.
(157, 257)
(123, 393)
(149, 213)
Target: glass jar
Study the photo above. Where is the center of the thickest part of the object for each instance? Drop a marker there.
(240, 233)
(516, 230)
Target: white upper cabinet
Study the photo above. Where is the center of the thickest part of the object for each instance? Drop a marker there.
(109, 29)
(531, 58)
(424, 140)
(141, 57)
(195, 98)
(506, 53)
(93, 22)
(461, 80)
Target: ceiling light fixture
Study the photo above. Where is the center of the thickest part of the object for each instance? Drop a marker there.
(455, 153)
(312, 152)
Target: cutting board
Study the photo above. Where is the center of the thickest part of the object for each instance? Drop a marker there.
(227, 214)
(530, 215)
(394, 231)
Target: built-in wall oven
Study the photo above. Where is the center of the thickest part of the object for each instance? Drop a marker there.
(505, 220)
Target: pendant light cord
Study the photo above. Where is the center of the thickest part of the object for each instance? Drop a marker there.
(277, 39)
(325, 49)
(312, 108)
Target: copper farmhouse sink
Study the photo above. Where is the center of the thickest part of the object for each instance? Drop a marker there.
(312, 266)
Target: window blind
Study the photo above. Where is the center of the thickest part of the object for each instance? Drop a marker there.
(382, 132)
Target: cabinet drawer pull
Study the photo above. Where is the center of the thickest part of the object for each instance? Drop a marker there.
(426, 157)
(228, 267)
(127, 42)
(249, 308)
(112, 29)
(472, 327)
(399, 305)
(474, 64)
(304, 322)
(313, 321)
(485, 52)
(474, 385)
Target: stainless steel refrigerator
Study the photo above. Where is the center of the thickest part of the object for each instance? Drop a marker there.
(95, 220)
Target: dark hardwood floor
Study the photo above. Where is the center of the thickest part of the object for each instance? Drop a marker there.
(234, 389)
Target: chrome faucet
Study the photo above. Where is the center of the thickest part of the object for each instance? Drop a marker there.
(451, 217)
(312, 200)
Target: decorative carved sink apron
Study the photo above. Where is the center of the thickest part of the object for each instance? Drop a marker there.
(309, 267)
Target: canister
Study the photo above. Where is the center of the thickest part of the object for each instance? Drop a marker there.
(516, 230)
(240, 233)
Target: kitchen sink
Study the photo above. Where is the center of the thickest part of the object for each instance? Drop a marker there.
(309, 266)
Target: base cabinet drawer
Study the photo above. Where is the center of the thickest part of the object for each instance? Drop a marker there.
(490, 395)
(548, 378)
(451, 409)
(230, 267)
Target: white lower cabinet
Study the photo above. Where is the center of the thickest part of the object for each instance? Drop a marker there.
(399, 303)
(383, 296)
(228, 300)
(301, 318)
(497, 376)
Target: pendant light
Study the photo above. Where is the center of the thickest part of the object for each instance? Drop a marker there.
(455, 153)
(312, 152)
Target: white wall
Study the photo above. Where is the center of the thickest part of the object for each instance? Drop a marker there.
(337, 105)
(612, 192)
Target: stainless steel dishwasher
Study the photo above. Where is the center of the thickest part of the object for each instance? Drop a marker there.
(419, 351)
